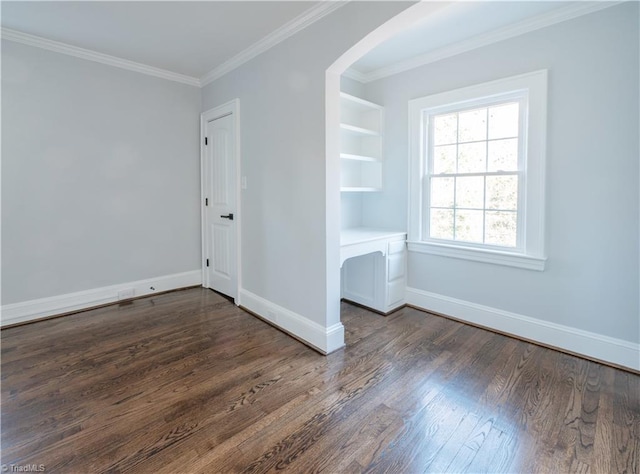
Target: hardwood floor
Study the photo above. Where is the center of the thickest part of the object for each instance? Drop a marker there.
(187, 382)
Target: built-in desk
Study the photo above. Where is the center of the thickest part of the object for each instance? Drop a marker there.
(373, 265)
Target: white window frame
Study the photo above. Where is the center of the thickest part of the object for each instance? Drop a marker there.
(531, 91)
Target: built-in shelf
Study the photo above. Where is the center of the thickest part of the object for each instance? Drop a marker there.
(358, 130)
(360, 145)
(347, 156)
(358, 189)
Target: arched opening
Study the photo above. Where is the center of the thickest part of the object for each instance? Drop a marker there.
(401, 22)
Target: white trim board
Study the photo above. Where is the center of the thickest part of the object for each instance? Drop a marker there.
(82, 53)
(44, 307)
(589, 344)
(290, 28)
(325, 340)
(496, 257)
(566, 13)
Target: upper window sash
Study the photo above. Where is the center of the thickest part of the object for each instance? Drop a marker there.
(521, 97)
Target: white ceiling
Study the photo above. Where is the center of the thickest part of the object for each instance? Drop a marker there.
(190, 38)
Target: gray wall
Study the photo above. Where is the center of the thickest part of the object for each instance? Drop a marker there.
(591, 281)
(282, 102)
(100, 175)
(351, 86)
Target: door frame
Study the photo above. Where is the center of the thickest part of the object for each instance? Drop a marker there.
(229, 108)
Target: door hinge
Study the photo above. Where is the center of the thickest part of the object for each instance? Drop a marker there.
(206, 141)
(206, 201)
(207, 262)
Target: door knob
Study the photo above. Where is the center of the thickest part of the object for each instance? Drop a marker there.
(228, 216)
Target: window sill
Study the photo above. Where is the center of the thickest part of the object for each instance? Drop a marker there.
(479, 255)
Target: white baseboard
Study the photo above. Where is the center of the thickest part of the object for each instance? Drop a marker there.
(326, 340)
(589, 344)
(43, 307)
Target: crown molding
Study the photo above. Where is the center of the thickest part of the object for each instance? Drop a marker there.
(63, 48)
(353, 73)
(290, 28)
(525, 26)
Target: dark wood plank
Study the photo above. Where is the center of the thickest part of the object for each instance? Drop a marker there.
(188, 382)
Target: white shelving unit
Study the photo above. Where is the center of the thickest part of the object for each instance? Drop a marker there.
(360, 144)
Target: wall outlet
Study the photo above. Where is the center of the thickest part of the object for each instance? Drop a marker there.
(126, 294)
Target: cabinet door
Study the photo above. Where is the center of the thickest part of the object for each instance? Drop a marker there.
(396, 275)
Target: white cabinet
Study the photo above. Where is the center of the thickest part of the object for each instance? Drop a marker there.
(373, 268)
(361, 127)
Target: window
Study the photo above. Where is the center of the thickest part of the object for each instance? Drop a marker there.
(477, 172)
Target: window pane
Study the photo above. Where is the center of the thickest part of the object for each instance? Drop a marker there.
(469, 226)
(500, 228)
(444, 159)
(441, 224)
(445, 129)
(472, 158)
(470, 192)
(442, 192)
(472, 125)
(503, 155)
(503, 121)
(502, 192)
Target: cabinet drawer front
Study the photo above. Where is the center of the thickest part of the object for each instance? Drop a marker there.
(395, 268)
(396, 247)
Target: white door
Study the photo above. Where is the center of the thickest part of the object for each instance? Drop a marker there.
(220, 213)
